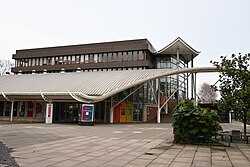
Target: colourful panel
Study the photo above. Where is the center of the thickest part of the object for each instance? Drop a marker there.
(129, 112)
(123, 112)
(117, 114)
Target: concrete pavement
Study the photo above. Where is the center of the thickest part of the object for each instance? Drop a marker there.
(117, 145)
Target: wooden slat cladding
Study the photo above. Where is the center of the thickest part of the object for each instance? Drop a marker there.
(129, 45)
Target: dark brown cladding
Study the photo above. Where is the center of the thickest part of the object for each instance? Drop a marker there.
(129, 45)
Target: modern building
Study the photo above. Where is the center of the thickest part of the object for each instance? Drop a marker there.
(124, 81)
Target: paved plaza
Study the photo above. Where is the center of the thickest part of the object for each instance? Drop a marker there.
(105, 145)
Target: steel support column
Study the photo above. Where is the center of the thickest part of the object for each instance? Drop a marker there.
(192, 78)
(11, 112)
(158, 103)
(187, 77)
(195, 96)
(111, 119)
(178, 67)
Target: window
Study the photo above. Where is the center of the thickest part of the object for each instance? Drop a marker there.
(73, 59)
(41, 61)
(7, 108)
(18, 63)
(100, 57)
(168, 64)
(61, 60)
(30, 62)
(135, 55)
(56, 60)
(130, 57)
(69, 60)
(52, 61)
(104, 58)
(15, 109)
(95, 58)
(65, 60)
(77, 59)
(114, 56)
(119, 58)
(37, 61)
(82, 58)
(22, 110)
(109, 57)
(91, 58)
(124, 54)
(49, 61)
(1, 108)
(141, 55)
(44, 60)
(23, 62)
(86, 58)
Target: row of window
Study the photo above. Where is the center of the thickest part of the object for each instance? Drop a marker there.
(87, 58)
(170, 62)
(168, 85)
(87, 70)
(144, 95)
(22, 109)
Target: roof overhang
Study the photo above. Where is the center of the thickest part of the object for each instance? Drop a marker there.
(184, 49)
(86, 87)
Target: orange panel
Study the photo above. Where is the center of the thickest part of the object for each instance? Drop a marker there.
(123, 112)
(117, 114)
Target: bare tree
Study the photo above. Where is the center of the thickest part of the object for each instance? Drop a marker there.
(5, 66)
(207, 94)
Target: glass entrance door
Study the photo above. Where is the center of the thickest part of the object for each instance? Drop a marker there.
(66, 112)
(99, 112)
(137, 112)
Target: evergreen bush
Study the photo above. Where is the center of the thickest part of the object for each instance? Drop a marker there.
(193, 124)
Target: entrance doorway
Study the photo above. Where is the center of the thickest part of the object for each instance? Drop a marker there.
(137, 112)
(100, 112)
(66, 112)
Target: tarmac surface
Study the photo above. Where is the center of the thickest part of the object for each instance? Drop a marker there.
(117, 145)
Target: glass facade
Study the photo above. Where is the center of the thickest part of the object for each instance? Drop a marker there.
(120, 58)
(169, 85)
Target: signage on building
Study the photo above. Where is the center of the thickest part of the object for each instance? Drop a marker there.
(87, 113)
(49, 112)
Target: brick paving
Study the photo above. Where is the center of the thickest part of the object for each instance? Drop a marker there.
(127, 145)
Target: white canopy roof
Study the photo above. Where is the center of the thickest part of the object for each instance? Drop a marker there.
(80, 86)
(184, 49)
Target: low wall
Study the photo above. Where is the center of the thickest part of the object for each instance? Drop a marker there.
(24, 120)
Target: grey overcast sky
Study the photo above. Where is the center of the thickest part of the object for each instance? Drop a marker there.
(214, 27)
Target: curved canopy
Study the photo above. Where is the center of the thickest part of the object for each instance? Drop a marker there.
(85, 87)
(184, 49)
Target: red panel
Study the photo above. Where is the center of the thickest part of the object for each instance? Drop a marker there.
(30, 109)
(117, 114)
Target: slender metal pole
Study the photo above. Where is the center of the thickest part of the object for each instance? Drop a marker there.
(195, 96)
(159, 103)
(192, 78)
(187, 84)
(178, 67)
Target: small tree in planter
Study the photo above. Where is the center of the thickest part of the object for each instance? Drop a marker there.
(192, 123)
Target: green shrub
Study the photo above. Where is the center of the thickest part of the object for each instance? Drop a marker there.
(192, 124)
